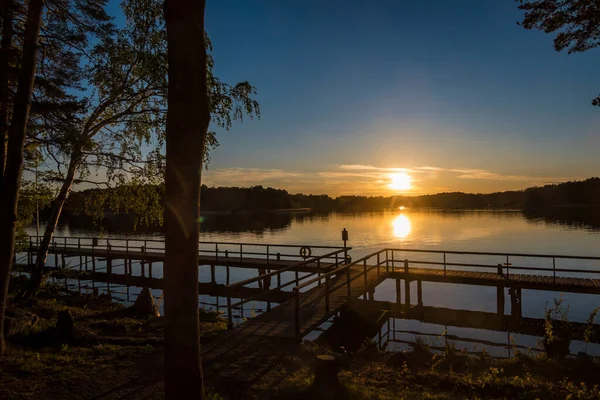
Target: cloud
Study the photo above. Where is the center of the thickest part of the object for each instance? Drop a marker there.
(360, 179)
(489, 175)
(252, 176)
(359, 167)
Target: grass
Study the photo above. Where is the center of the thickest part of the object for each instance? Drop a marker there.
(455, 374)
(117, 355)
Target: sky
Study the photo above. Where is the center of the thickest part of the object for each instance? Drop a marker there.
(400, 97)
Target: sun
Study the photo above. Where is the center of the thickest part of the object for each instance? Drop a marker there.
(400, 181)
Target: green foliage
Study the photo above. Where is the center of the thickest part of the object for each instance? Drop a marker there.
(557, 329)
(142, 201)
(120, 128)
(558, 312)
(589, 326)
(581, 391)
(420, 346)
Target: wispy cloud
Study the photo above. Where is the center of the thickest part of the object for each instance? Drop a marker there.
(372, 180)
(228, 176)
(359, 167)
(489, 175)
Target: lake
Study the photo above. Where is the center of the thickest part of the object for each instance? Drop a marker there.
(489, 231)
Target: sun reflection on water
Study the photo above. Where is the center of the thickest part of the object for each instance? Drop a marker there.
(401, 225)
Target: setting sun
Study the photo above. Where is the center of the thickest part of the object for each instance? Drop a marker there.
(400, 181)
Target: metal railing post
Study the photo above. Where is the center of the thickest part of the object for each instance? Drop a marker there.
(78, 243)
(444, 263)
(507, 267)
(29, 253)
(267, 254)
(406, 266)
(393, 262)
(387, 260)
(217, 252)
(378, 272)
(554, 270)
(278, 278)
(365, 273)
(241, 252)
(327, 295)
(297, 314)
(348, 283)
(229, 313)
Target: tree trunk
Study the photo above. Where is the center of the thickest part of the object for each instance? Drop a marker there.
(38, 276)
(187, 123)
(9, 193)
(6, 8)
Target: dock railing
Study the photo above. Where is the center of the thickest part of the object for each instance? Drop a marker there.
(396, 260)
(502, 264)
(336, 279)
(336, 258)
(219, 250)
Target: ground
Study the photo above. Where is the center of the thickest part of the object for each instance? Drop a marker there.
(113, 354)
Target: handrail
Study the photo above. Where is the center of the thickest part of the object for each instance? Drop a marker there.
(200, 242)
(481, 253)
(280, 286)
(279, 271)
(328, 289)
(338, 270)
(500, 267)
(496, 266)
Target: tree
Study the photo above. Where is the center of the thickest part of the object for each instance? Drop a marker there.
(188, 119)
(125, 110)
(126, 114)
(6, 8)
(576, 21)
(9, 192)
(54, 29)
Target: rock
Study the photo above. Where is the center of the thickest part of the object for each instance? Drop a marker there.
(144, 305)
(64, 323)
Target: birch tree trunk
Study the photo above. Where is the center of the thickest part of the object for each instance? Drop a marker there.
(187, 124)
(39, 276)
(11, 185)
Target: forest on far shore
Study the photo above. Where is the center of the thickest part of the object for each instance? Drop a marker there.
(148, 199)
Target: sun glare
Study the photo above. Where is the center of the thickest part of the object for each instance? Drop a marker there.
(400, 181)
(401, 226)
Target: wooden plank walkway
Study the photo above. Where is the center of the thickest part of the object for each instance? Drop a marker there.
(159, 256)
(523, 281)
(280, 322)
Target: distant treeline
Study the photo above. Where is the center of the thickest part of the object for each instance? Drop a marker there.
(451, 201)
(147, 200)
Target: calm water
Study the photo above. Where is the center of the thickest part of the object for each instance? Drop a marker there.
(471, 231)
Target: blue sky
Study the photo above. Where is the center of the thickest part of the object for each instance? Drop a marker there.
(452, 93)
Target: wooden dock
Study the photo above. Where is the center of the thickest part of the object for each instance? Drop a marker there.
(521, 281)
(326, 282)
(159, 256)
(315, 306)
